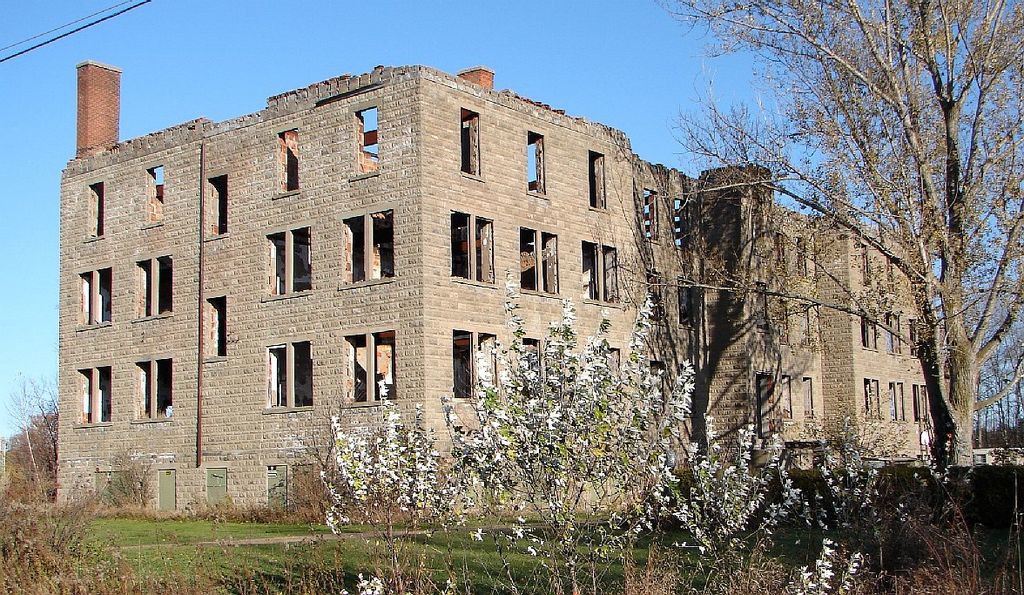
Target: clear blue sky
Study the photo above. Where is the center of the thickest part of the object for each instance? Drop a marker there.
(623, 63)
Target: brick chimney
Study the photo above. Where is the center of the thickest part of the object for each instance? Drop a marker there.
(99, 107)
(480, 75)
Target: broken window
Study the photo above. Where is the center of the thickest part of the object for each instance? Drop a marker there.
(366, 137)
(679, 227)
(654, 284)
(892, 333)
(787, 397)
(597, 183)
(865, 265)
(479, 258)
(533, 354)
(465, 363)
(97, 208)
(528, 259)
(914, 337)
(901, 408)
(872, 398)
(290, 375)
(288, 159)
(217, 326)
(765, 393)
(600, 279)
(550, 273)
(894, 404)
(96, 296)
(919, 394)
(96, 397)
(761, 305)
(531, 276)
(535, 162)
(808, 398)
(219, 221)
(371, 356)
(868, 333)
(156, 287)
(802, 257)
(156, 388)
(470, 142)
(685, 302)
(291, 261)
(372, 252)
(650, 214)
(155, 198)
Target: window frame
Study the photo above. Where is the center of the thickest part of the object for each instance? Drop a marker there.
(283, 282)
(291, 370)
(371, 341)
(152, 372)
(479, 250)
(369, 248)
(94, 398)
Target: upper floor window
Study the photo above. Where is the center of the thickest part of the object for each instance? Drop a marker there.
(371, 366)
(370, 246)
(155, 198)
(538, 260)
(96, 397)
(96, 296)
(217, 326)
(650, 213)
(366, 138)
(288, 159)
(868, 333)
(219, 214)
(679, 228)
(465, 364)
(291, 261)
(600, 272)
(595, 175)
(97, 209)
(872, 398)
(290, 375)
(472, 243)
(470, 142)
(156, 286)
(156, 384)
(808, 397)
(535, 162)
(685, 302)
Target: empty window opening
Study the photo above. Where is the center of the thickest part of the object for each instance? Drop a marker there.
(290, 375)
(219, 223)
(460, 245)
(96, 396)
(679, 226)
(366, 136)
(165, 285)
(919, 396)
(370, 255)
(97, 209)
(218, 326)
(156, 387)
(528, 259)
(96, 296)
(868, 333)
(156, 286)
(901, 402)
(535, 162)
(484, 252)
(761, 305)
(600, 280)
(466, 372)
(155, 198)
(872, 398)
(291, 260)
(802, 257)
(534, 355)
(865, 265)
(765, 393)
(591, 283)
(650, 214)
(470, 142)
(597, 183)
(808, 397)
(654, 285)
(685, 303)
(480, 257)
(787, 397)
(288, 158)
(610, 262)
(549, 241)
(371, 356)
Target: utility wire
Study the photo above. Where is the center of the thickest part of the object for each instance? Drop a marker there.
(73, 31)
(65, 25)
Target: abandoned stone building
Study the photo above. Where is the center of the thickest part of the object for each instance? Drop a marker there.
(226, 286)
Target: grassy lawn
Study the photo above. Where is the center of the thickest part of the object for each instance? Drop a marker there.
(122, 532)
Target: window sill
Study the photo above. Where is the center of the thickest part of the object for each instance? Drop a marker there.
(92, 239)
(287, 194)
(282, 410)
(364, 176)
(215, 359)
(474, 283)
(602, 303)
(159, 420)
(91, 327)
(602, 210)
(474, 177)
(154, 317)
(541, 294)
(101, 424)
(152, 225)
(368, 283)
(215, 237)
(359, 404)
(286, 296)
(534, 194)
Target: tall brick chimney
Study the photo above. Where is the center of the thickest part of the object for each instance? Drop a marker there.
(481, 75)
(99, 107)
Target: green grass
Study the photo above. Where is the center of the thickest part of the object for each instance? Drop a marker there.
(122, 532)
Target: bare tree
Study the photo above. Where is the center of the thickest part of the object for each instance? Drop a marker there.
(32, 459)
(900, 120)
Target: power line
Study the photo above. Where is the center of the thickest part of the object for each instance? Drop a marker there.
(65, 25)
(73, 31)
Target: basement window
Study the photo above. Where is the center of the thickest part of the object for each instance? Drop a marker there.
(366, 137)
(597, 183)
(156, 387)
(155, 198)
(474, 261)
(96, 297)
(290, 375)
(217, 326)
(370, 255)
(96, 397)
(371, 367)
(156, 292)
(650, 214)
(97, 209)
(466, 374)
(291, 261)
(600, 272)
(288, 159)
(535, 162)
(219, 219)
(470, 142)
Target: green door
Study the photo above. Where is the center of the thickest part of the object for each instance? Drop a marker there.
(167, 493)
(277, 486)
(216, 485)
